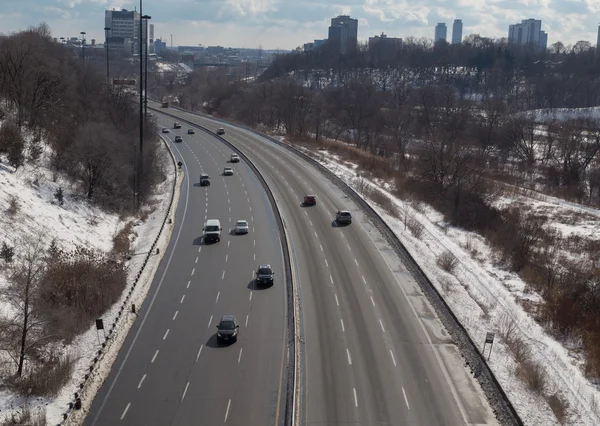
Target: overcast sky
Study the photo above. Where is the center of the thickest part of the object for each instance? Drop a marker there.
(287, 24)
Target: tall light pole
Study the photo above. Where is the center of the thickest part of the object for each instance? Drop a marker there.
(146, 17)
(140, 150)
(106, 30)
(82, 45)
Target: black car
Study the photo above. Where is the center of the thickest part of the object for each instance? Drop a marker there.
(264, 275)
(191, 131)
(178, 139)
(343, 217)
(204, 180)
(227, 329)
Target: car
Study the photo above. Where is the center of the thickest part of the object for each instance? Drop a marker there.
(227, 329)
(343, 217)
(241, 227)
(176, 125)
(227, 171)
(204, 180)
(234, 158)
(165, 130)
(191, 131)
(220, 131)
(310, 200)
(212, 230)
(178, 139)
(264, 274)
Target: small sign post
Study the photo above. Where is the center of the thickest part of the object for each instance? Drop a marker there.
(489, 338)
(100, 326)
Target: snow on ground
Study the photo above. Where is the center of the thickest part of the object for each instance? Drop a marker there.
(168, 66)
(561, 114)
(74, 223)
(485, 297)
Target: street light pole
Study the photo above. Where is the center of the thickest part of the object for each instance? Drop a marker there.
(82, 45)
(146, 17)
(106, 30)
(141, 143)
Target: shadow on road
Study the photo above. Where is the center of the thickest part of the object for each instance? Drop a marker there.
(212, 342)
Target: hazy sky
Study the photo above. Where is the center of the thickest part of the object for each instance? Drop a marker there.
(286, 24)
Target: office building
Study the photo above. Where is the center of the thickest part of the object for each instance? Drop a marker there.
(124, 28)
(383, 42)
(528, 32)
(457, 28)
(343, 33)
(151, 39)
(440, 32)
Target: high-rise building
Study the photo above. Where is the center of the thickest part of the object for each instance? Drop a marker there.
(440, 32)
(151, 39)
(528, 32)
(343, 32)
(598, 39)
(457, 28)
(124, 30)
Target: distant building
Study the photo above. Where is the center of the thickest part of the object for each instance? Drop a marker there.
(159, 46)
(528, 32)
(598, 39)
(308, 47)
(126, 25)
(151, 39)
(215, 50)
(440, 32)
(384, 45)
(314, 45)
(343, 33)
(457, 28)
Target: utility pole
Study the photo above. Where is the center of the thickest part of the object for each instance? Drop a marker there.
(106, 30)
(140, 150)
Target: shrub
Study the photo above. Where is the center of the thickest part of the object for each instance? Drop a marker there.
(384, 202)
(47, 379)
(121, 242)
(59, 196)
(559, 406)
(414, 226)
(13, 206)
(534, 375)
(26, 416)
(447, 261)
(7, 253)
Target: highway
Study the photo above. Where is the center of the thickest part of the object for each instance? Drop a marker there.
(374, 351)
(170, 370)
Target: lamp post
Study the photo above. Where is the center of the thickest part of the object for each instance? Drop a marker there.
(140, 150)
(146, 17)
(82, 45)
(106, 30)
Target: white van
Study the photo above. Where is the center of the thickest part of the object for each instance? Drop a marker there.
(212, 230)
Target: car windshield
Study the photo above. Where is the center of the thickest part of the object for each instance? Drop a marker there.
(212, 228)
(344, 214)
(227, 325)
(264, 271)
(241, 223)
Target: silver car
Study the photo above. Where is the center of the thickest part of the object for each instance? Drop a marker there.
(227, 171)
(241, 227)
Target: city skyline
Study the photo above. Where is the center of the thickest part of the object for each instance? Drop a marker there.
(248, 23)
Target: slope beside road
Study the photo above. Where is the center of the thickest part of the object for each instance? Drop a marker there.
(374, 350)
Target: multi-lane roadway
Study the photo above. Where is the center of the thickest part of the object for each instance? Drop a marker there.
(373, 351)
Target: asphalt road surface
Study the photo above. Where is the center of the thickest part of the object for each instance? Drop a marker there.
(170, 370)
(374, 352)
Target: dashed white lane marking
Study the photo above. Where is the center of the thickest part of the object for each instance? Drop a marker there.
(254, 242)
(175, 316)
(210, 321)
(337, 302)
(364, 281)
(196, 259)
(193, 270)
(250, 208)
(125, 411)
(349, 248)
(185, 390)
(228, 201)
(349, 357)
(240, 355)
(355, 398)
(316, 235)
(382, 327)
(226, 257)
(188, 284)
(254, 256)
(223, 276)
(199, 249)
(305, 212)
(326, 264)
(310, 222)
(356, 261)
(166, 334)
(250, 296)
(248, 199)
(199, 352)
(252, 218)
(372, 301)
(331, 279)
(228, 242)
(321, 247)
(218, 294)
(182, 299)
(246, 320)
(405, 398)
(141, 381)
(227, 412)
(393, 359)
(342, 321)
(154, 357)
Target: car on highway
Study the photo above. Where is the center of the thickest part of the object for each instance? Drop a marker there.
(176, 125)
(227, 329)
(227, 171)
(264, 275)
(234, 158)
(204, 180)
(165, 130)
(220, 131)
(343, 217)
(310, 200)
(191, 131)
(178, 139)
(212, 230)
(241, 227)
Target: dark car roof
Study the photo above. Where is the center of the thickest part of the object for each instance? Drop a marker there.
(264, 266)
(228, 318)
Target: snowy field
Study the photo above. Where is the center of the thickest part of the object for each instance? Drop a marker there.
(561, 114)
(486, 297)
(74, 223)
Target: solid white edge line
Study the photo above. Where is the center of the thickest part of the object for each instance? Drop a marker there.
(141, 381)
(185, 390)
(125, 410)
(166, 334)
(227, 412)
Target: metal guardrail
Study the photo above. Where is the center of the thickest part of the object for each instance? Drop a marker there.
(113, 331)
(501, 405)
(290, 285)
